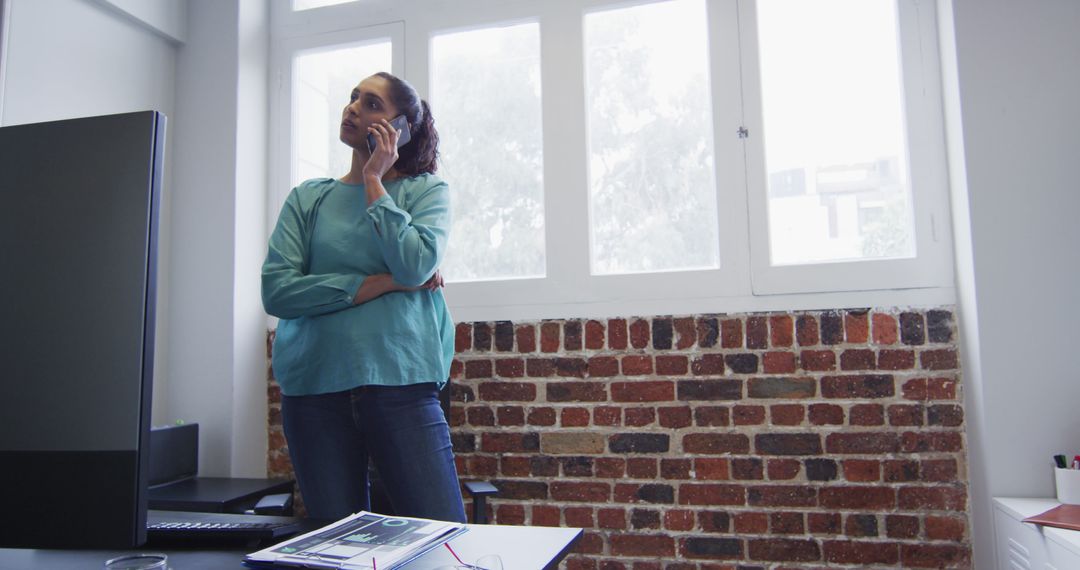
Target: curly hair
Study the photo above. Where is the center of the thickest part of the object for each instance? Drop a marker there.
(419, 155)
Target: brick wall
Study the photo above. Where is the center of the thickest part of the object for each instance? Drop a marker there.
(776, 440)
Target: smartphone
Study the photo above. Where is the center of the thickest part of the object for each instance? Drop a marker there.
(399, 123)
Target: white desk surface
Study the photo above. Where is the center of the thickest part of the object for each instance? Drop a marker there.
(519, 546)
(1023, 508)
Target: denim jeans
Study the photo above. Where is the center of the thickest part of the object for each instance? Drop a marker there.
(331, 438)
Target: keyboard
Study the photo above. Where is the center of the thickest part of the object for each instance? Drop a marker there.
(180, 524)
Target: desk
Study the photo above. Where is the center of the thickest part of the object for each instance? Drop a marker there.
(521, 548)
(1028, 546)
(215, 494)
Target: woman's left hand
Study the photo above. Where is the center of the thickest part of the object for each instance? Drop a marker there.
(434, 283)
(385, 154)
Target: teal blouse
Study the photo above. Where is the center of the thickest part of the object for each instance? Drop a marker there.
(326, 242)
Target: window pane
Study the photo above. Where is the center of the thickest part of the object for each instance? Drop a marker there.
(322, 82)
(298, 5)
(835, 149)
(486, 97)
(652, 185)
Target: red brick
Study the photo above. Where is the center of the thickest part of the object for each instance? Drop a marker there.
(639, 416)
(947, 415)
(590, 492)
(590, 543)
(614, 519)
(731, 333)
(858, 386)
(675, 468)
(862, 443)
(787, 414)
(861, 525)
(782, 496)
(944, 359)
(895, 359)
(826, 414)
(885, 330)
(643, 391)
(823, 523)
(779, 362)
(510, 367)
(748, 415)
(901, 526)
(637, 365)
(480, 415)
(483, 466)
(941, 389)
(786, 523)
(654, 545)
(856, 327)
(672, 365)
(543, 515)
(510, 415)
(641, 467)
(686, 333)
(616, 329)
(594, 335)
(607, 416)
(639, 333)
(712, 469)
(757, 332)
(526, 338)
(866, 415)
(510, 514)
(747, 468)
(716, 443)
(817, 360)
(674, 417)
(610, 467)
(938, 470)
(806, 330)
(549, 337)
(937, 498)
(906, 415)
(867, 498)
(783, 469)
(574, 417)
(708, 365)
(862, 553)
(711, 494)
(580, 517)
(784, 550)
(935, 556)
(679, 520)
(541, 417)
(462, 337)
(514, 466)
(714, 521)
(574, 391)
(711, 416)
(857, 359)
(781, 330)
(539, 367)
(509, 442)
(478, 369)
(603, 366)
(945, 528)
(915, 442)
(862, 470)
(751, 523)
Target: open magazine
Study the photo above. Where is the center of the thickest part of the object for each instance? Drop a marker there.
(363, 541)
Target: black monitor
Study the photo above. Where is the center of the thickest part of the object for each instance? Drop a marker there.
(78, 246)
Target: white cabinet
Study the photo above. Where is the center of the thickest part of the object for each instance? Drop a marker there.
(1024, 546)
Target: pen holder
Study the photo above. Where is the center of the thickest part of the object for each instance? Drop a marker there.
(1068, 485)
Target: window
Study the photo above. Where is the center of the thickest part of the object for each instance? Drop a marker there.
(322, 81)
(652, 191)
(485, 90)
(835, 154)
(652, 156)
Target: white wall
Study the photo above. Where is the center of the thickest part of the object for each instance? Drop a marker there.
(57, 67)
(217, 333)
(1015, 89)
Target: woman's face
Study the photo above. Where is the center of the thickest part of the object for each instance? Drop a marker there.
(368, 103)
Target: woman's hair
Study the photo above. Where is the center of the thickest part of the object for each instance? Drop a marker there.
(420, 154)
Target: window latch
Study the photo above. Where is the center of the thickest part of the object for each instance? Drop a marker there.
(743, 132)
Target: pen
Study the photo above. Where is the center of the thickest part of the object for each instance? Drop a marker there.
(1059, 460)
(1076, 462)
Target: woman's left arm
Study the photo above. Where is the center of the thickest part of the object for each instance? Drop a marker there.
(412, 242)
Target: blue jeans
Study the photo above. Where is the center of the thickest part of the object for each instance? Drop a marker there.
(331, 438)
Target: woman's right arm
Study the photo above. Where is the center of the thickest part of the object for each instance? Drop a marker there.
(288, 291)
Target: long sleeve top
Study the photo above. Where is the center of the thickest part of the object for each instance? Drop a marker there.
(326, 242)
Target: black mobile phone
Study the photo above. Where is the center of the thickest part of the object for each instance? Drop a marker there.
(399, 123)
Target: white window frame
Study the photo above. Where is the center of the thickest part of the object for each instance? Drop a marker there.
(744, 281)
(928, 172)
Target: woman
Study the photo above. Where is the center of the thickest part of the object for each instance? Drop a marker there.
(365, 339)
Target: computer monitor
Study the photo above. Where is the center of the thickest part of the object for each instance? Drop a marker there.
(78, 246)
